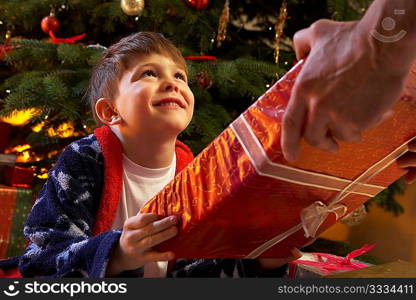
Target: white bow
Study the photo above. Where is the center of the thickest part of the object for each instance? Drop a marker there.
(315, 214)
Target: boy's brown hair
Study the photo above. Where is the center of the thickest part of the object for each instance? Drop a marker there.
(120, 57)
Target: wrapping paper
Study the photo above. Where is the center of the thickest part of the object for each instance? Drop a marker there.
(323, 264)
(239, 198)
(394, 269)
(14, 209)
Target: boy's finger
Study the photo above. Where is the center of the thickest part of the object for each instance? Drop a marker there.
(296, 253)
(140, 220)
(155, 239)
(154, 227)
(158, 256)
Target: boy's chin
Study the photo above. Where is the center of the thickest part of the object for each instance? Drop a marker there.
(172, 128)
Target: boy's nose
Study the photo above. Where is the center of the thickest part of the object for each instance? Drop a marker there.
(169, 86)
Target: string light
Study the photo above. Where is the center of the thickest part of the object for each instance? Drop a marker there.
(8, 91)
(136, 18)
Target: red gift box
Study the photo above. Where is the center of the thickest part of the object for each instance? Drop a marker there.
(16, 204)
(239, 198)
(323, 264)
(18, 176)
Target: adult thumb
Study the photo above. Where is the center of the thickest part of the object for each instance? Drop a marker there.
(302, 43)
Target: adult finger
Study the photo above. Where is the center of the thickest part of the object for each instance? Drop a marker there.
(155, 239)
(140, 220)
(317, 131)
(345, 133)
(384, 117)
(292, 123)
(302, 43)
(153, 228)
(158, 256)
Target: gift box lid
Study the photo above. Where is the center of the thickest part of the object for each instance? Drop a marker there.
(395, 269)
(7, 159)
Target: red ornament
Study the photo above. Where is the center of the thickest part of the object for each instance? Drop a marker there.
(199, 5)
(50, 23)
(4, 49)
(70, 40)
(200, 58)
(203, 80)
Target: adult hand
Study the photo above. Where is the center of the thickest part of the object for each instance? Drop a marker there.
(140, 234)
(342, 89)
(408, 162)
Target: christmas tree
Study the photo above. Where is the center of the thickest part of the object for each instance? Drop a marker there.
(235, 50)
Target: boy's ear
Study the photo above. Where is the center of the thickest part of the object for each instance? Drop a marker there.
(105, 111)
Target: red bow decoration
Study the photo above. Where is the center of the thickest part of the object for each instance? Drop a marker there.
(200, 58)
(328, 262)
(5, 48)
(70, 40)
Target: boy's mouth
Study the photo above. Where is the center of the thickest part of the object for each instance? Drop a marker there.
(171, 102)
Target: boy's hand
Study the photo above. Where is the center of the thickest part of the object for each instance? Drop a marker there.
(272, 263)
(408, 162)
(140, 234)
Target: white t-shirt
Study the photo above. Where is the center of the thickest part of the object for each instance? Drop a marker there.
(141, 184)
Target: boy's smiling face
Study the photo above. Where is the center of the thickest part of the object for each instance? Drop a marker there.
(154, 97)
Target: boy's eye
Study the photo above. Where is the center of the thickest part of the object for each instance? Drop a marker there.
(180, 76)
(148, 73)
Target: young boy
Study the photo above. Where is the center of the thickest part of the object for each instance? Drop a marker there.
(85, 220)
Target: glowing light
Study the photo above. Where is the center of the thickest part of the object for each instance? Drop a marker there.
(38, 127)
(53, 153)
(43, 174)
(64, 130)
(20, 117)
(17, 149)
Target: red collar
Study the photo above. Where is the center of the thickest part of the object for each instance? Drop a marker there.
(113, 170)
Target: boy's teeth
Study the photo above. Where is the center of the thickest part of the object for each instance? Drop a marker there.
(169, 103)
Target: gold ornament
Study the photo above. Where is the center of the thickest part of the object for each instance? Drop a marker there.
(222, 27)
(8, 36)
(355, 217)
(132, 7)
(279, 29)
